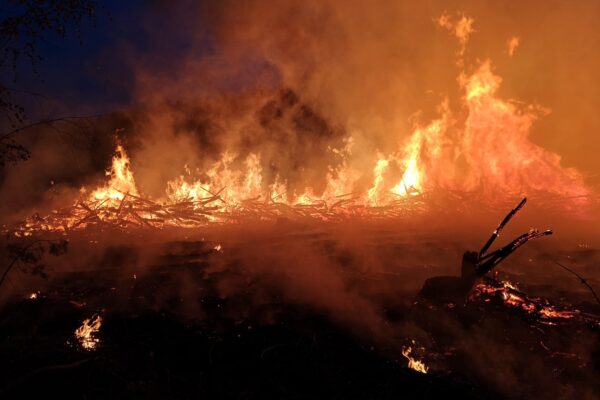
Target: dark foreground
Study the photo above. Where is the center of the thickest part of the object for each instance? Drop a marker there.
(195, 321)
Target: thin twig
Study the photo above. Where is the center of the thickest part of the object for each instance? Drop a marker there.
(44, 122)
(581, 279)
(18, 257)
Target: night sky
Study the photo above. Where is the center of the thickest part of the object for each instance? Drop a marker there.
(92, 73)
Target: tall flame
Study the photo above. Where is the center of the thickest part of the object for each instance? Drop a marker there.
(484, 146)
(121, 180)
(489, 151)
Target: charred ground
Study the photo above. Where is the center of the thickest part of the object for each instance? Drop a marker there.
(290, 310)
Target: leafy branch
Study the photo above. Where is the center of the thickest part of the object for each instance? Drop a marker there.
(28, 258)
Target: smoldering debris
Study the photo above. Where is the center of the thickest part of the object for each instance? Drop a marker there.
(264, 293)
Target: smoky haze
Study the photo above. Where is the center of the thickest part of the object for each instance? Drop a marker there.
(373, 66)
(295, 79)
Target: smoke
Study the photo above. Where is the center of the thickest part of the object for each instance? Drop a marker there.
(293, 82)
(363, 278)
(348, 67)
(367, 76)
(313, 89)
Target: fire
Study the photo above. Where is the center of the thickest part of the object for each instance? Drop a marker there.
(410, 182)
(512, 297)
(461, 29)
(121, 180)
(552, 313)
(509, 292)
(413, 363)
(86, 333)
(512, 44)
(483, 146)
(375, 191)
(489, 136)
(233, 186)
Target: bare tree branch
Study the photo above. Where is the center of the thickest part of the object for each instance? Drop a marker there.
(46, 122)
(582, 280)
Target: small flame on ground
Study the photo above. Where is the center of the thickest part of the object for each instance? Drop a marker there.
(413, 363)
(86, 333)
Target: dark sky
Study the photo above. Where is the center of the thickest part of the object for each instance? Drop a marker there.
(93, 72)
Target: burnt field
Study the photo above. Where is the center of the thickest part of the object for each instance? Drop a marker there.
(295, 310)
(299, 200)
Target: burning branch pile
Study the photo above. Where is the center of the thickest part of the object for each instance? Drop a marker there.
(118, 204)
(133, 211)
(130, 211)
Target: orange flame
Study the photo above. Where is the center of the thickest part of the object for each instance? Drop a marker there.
(121, 180)
(489, 151)
(413, 363)
(486, 149)
(512, 44)
(86, 333)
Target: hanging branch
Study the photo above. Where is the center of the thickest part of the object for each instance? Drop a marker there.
(25, 254)
(46, 122)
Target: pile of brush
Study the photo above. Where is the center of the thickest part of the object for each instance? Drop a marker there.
(133, 211)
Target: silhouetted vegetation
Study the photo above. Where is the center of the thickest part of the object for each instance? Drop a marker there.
(24, 24)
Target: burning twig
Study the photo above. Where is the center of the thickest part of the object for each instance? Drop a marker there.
(413, 363)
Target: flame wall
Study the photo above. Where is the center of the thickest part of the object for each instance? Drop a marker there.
(337, 97)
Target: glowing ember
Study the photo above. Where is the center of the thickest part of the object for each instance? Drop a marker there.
(86, 333)
(551, 312)
(417, 365)
(512, 297)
